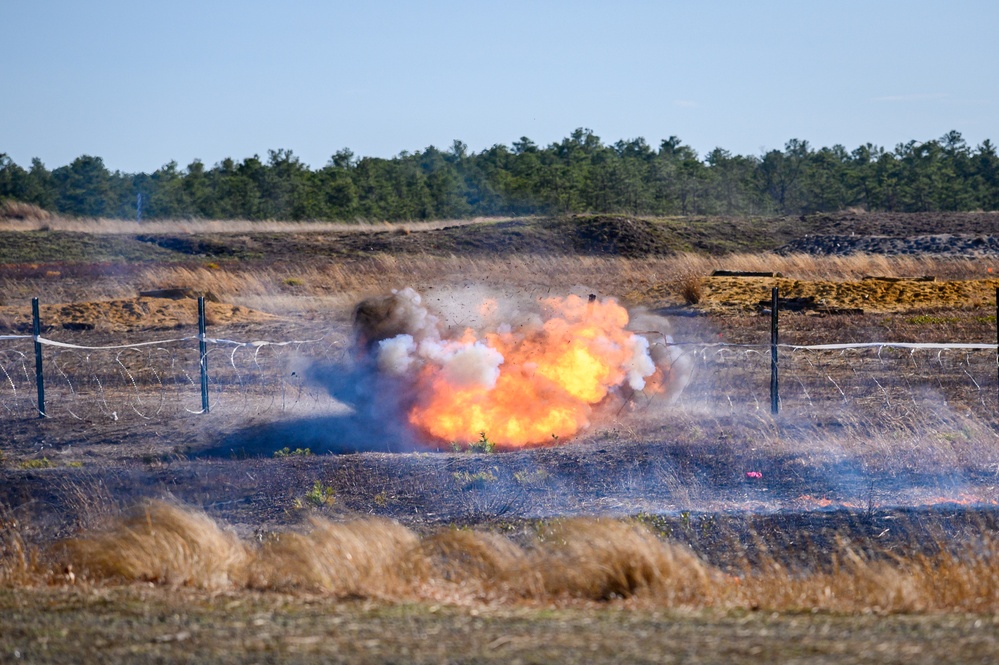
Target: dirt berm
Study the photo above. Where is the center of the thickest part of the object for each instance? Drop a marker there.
(128, 314)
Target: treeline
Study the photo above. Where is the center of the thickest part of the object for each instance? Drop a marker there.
(578, 174)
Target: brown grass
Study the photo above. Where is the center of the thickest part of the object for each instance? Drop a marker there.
(575, 559)
(691, 289)
(601, 559)
(163, 543)
(460, 555)
(868, 295)
(678, 272)
(365, 558)
(322, 287)
(19, 211)
(18, 561)
(636, 281)
(965, 582)
(835, 268)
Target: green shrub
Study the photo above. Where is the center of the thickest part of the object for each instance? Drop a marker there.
(475, 480)
(43, 463)
(531, 478)
(288, 452)
(321, 495)
(483, 445)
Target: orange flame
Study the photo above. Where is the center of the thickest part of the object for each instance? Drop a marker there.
(962, 499)
(549, 379)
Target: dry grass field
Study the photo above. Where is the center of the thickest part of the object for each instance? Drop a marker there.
(859, 525)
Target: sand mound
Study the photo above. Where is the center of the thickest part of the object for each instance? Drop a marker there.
(871, 295)
(129, 314)
(867, 295)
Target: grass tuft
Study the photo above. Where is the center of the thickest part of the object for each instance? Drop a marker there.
(18, 560)
(582, 559)
(24, 212)
(372, 557)
(164, 543)
(602, 559)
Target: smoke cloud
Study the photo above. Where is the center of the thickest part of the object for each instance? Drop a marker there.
(519, 372)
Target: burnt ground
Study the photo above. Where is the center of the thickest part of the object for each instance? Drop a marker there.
(660, 464)
(862, 470)
(695, 491)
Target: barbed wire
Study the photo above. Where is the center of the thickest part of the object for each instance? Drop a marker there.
(154, 378)
(867, 378)
(146, 379)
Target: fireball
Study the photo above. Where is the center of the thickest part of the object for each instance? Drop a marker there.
(525, 382)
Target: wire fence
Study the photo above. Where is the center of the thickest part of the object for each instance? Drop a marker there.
(152, 379)
(149, 380)
(866, 380)
(160, 379)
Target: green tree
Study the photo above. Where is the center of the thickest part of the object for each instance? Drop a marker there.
(13, 179)
(83, 187)
(167, 196)
(335, 183)
(826, 185)
(198, 191)
(957, 174)
(986, 178)
(731, 188)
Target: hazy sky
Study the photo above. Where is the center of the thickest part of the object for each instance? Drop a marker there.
(143, 83)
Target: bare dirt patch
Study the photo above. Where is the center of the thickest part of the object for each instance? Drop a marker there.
(873, 295)
(158, 625)
(130, 314)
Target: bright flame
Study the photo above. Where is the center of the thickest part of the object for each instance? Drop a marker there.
(529, 385)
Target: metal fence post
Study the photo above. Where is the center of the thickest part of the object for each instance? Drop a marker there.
(774, 388)
(36, 331)
(203, 351)
(997, 335)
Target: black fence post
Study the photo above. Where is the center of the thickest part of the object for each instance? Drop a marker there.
(774, 387)
(997, 334)
(36, 331)
(203, 351)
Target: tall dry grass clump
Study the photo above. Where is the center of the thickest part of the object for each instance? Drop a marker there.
(18, 560)
(968, 582)
(372, 557)
(22, 212)
(855, 583)
(580, 559)
(600, 559)
(690, 288)
(163, 543)
(475, 562)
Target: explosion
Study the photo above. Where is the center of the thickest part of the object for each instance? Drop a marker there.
(524, 379)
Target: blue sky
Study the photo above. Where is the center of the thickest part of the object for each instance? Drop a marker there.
(141, 84)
